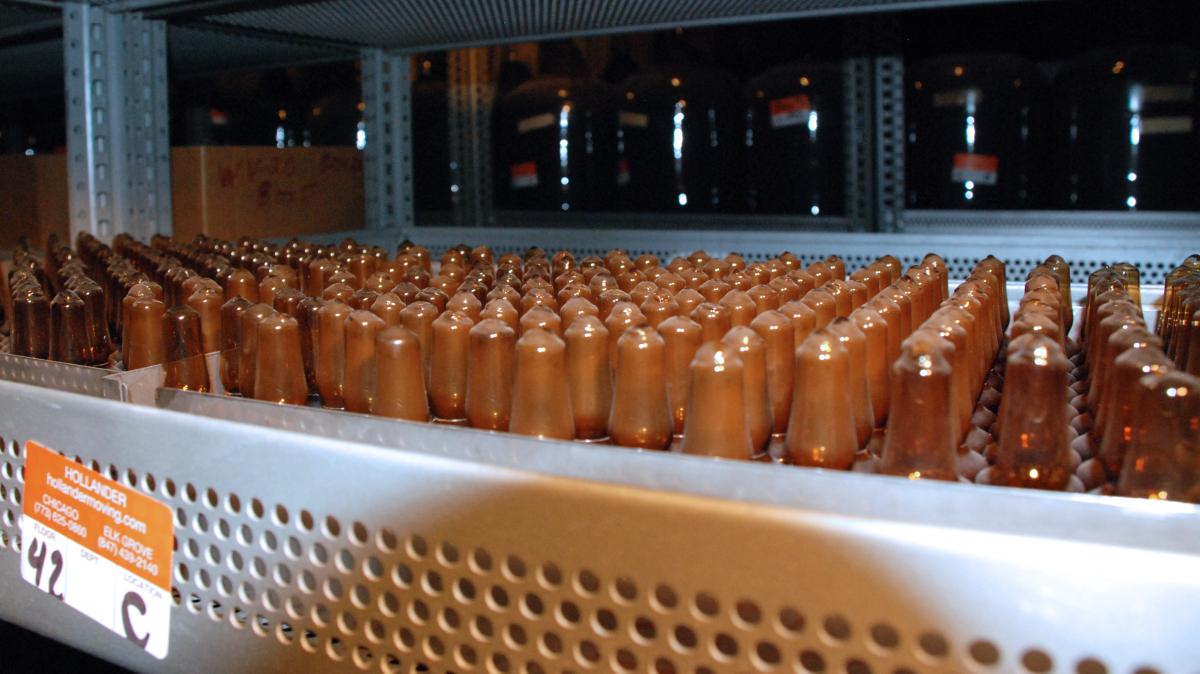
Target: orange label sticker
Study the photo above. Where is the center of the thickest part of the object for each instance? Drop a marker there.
(524, 174)
(98, 546)
(980, 169)
(790, 111)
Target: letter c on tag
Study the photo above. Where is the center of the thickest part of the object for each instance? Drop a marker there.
(134, 600)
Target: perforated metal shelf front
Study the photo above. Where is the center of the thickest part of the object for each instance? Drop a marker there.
(298, 552)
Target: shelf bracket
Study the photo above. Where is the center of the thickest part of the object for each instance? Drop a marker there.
(387, 153)
(472, 93)
(118, 147)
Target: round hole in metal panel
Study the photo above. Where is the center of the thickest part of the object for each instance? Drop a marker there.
(464, 591)
(499, 664)
(624, 590)
(747, 614)
(766, 655)
(836, 627)
(189, 489)
(497, 598)
(283, 632)
(245, 535)
(447, 554)
(345, 562)
(604, 622)
(363, 657)
(294, 607)
(309, 640)
(683, 639)
(664, 666)
(386, 540)
(811, 661)
(532, 606)
(481, 561)
(372, 568)
(405, 640)
(389, 605)
(307, 582)
(335, 649)
(624, 660)
(304, 521)
(481, 628)
(222, 530)
(586, 583)
(247, 593)
(332, 528)
(856, 666)
(258, 568)
(347, 623)
(233, 504)
(883, 637)
(724, 647)
(268, 541)
(418, 612)
(532, 667)
(360, 596)
(932, 645)
(213, 555)
(270, 600)
(550, 576)
(402, 575)
(1037, 661)
(1145, 670)
(550, 645)
(211, 499)
(1090, 666)
(448, 619)
(514, 568)
(260, 625)
(375, 631)
(984, 653)
(465, 656)
(587, 653)
(705, 606)
(280, 516)
(514, 636)
(644, 630)
(431, 583)
(282, 575)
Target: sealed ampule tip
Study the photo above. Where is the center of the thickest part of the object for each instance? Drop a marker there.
(388, 307)
(466, 303)
(640, 417)
(837, 266)
(904, 303)
(589, 376)
(1118, 414)
(779, 341)
(400, 382)
(207, 303)
(713, 290)
(859, 293)
(874, 329)
(241, 282)
(449, 365)
(786, 288)
(824, 306)
(670, 282)
(331, 353)
(418, 317)
(803, 318)
(184, 366)
(361, 299)
(716, 417)
(821, 427)
(501, 310)
(756, 402)
(541, 394)
(889, 311)
(765, 298)
(714, 320)
(279, 370)
(540, 316)
(143, 333)
(623, 316)
(339, 292)
(820, 273)
(407, 292)
(1033, 448)
(658, 308)
(742, 308)
(688, 300)
(490, 375)
(434, 296)
(859, 385)
(231, 312)
(841, 296)
(99, 340)
(640, 292)
(358, 385)
(922, 435)
(574, 308)
(681, 338)
(1132, 279)
(68, 328)
(1162, 460)
(31, 323)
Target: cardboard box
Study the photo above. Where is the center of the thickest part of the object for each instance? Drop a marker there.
(228, 192)
(33, 198)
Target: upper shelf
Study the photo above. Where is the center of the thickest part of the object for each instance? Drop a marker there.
(414, 25)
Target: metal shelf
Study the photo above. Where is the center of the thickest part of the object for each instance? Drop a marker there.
(328, 542)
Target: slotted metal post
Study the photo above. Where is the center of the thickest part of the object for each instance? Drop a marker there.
(471, 94)
(860, 132)
(118, 147)
(888, 95)
(387, 156)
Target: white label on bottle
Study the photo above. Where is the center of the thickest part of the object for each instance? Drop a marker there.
(790, 111)
(981, 169)
(536, 122)
(637, 119)
(1156, 125)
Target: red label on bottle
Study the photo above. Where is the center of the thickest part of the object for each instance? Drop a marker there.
(623, 172)
(981, 169)
(790, 111)
(524, 175)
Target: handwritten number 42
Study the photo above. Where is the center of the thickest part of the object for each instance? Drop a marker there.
(37, 559)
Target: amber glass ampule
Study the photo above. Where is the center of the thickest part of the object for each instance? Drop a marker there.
(889, 311)
(143, 333)
(31, 323)
(248, 345)
(640, 417)
(803, 318)
(99, 341)
(279, 370)
(207, 303)
(541, 394)
(448, 376)
(713, 290)
(821, 426)
(681, 338)
(400, 381)
(331, 353)
(841, 297)
(231, 313)
(68, 328)
(589, 376)
(716, 420)
(543, 317)
(184, 366)
(1163, 458)
(922, 434)
(823, 304)
(859, 383)
(741, 306)
(501, 310)
(388, 307)
(1115, 430)
(467, 303)
(874, 329)
(358, 385)
(1033, 448)
(490, 374)
(755, 397)
(418, 317)
(779, 340)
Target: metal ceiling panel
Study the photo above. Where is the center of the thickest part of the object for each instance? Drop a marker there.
(425, 24)
(194, 50)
